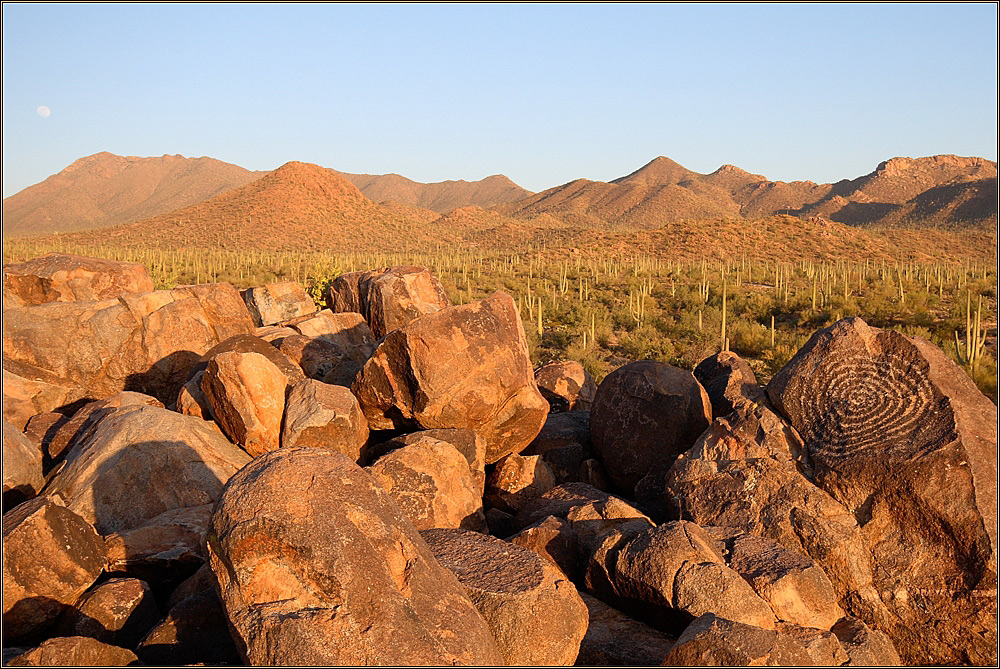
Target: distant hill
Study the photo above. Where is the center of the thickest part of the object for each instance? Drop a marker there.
(105, 189)
(442, 196)
(298, 206)
(940, 189)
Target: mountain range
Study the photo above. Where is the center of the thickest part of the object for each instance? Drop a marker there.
(306, 204)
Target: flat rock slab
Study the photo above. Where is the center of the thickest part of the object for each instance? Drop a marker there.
(63, 277)
(302, 585)
(50, 557)
(713, 641)
(644, 415)
(534, 611)
(164, 548)
(464, 366)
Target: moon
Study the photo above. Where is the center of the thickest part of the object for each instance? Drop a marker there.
(44, 111)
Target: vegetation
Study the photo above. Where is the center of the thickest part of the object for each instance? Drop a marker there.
(605, 311)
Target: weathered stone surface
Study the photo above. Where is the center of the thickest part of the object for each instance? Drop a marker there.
(273, 333)
(29, 390)
(317, 357)
(714, 641)
(246, 393)
(558, 502)
(42, 429)
(166, 548)
(80, 424)
(22, 467)
(432, 484)
(728, 381)
(119, 611)
(463, 366)
(147, 342)
(276, 302)
(590, 521)
(318, 415)
(901, 436)
(534, 612)
(644, 415)
(398, 295)
(304, 585)
(673, 573)
(62, 277)
(349, 332)
(198, 582)
(191, 400)
(75, 651)
(344, 293)
(466, 441)
(243, 343)
(864, 646)
(822, 645)
(50, 557)
(185, 461)
(615, 640)
(553, 539)
(566, 385)
(194, 631)
(564, 444)
(516, 480)
(592, 473)
(794, 586)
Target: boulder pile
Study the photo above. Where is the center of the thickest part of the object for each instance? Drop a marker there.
(195, 476)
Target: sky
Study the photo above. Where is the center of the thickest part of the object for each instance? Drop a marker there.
(541, 93)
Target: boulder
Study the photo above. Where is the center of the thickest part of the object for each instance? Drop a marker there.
(81, 422)
(398, 295)
(191, 400)
(302, 585)
(318, 415)
(644, 415)
(165, 549)
(243, 343)
(728, 381)
(50, 557)
(273, 303)
(317, 357)
(516, 480)
(348, 332)
(902, 437)
(553, 539)
(615, 640)
(558, 502)
(566, 385)
(534, 612)
(42, 429)
(147, 342)
(714, 641)
(431, 483)
(195, 631)
(185, 462)
(795, 587)
(823, 647)
(466, 441)
(463, 366)
(273, 333)
(246, 393)
(119, 611)
(864, 646)
(344, 293)
(564, 444)
(590, 521)
(75, 651)
(29, 390)
(22, 467)
(62, 277)
(196, 583)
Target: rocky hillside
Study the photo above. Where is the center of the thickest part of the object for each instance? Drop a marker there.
(104, 189)
(200, 476)
(938, 189)
(442, 196)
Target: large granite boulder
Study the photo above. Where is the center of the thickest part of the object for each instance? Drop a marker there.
(273, 303)
(644, 415)
(184, 462)
(22, 467)
(463, 366)
(75, 651)
(303, 585)
(119, 611)
(566, 385)
(63, 277)
(728, 381)
(163, 550)
(320, 415)
(50, 557)
(712, 640)
(534, 612)
(29, 390)
(901, 436)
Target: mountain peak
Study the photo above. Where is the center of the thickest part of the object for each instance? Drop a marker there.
(659, 170)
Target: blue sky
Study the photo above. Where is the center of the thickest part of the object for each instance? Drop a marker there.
(542, 93)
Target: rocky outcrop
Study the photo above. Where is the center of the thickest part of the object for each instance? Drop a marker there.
(188, 461)
(535, 614)
(301, 585)
(62, 277)
(644, 415)
(463, 366)
(50, 557)
(388, 298)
